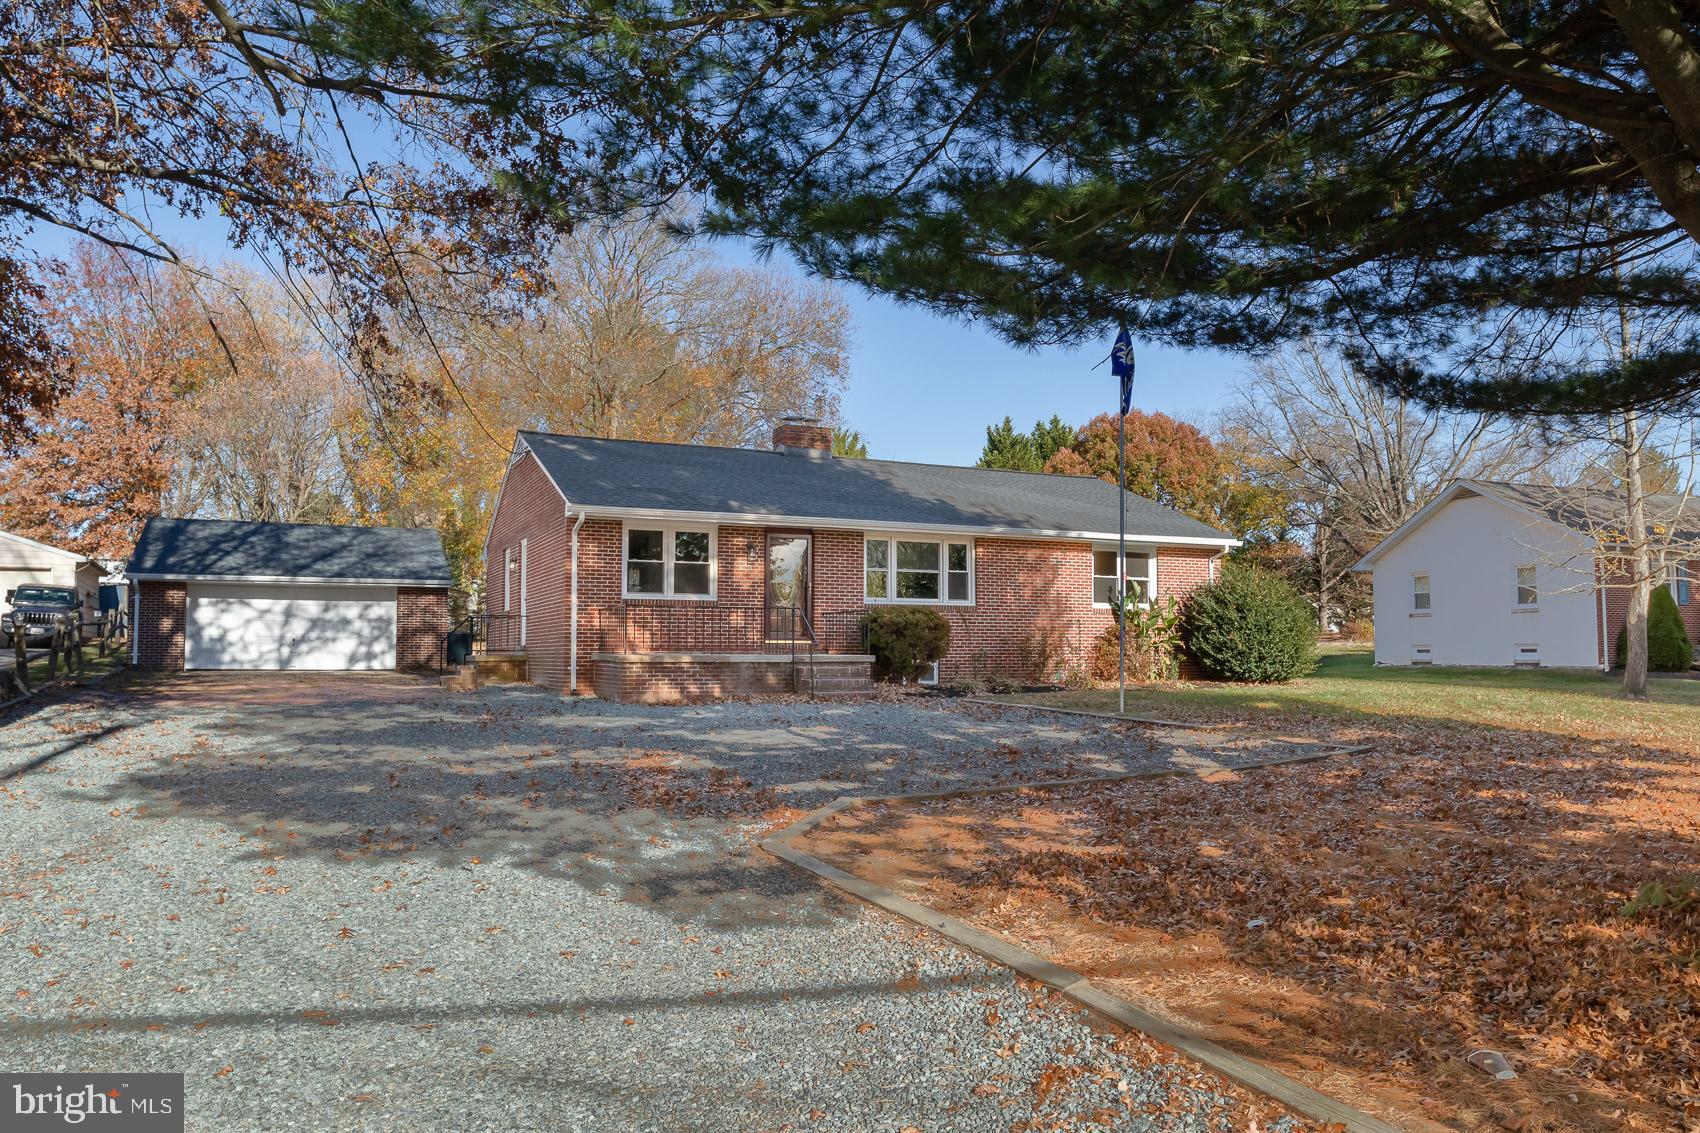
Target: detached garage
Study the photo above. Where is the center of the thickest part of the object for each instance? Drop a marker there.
(219, 594)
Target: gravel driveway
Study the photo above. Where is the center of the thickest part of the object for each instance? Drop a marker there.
(375, 906)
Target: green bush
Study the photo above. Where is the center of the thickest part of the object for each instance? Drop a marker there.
(1668, 647)
(1250, 625)
(1153, 643)
(905, 639)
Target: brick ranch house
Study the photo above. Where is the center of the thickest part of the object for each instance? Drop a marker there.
(650, 572)
(223, 594)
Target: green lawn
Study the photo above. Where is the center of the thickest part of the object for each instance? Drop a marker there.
(1347, 685)
(92, 666)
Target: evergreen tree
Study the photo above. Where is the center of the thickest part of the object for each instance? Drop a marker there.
(1051, 437)
(849, 443)
(1010, 449)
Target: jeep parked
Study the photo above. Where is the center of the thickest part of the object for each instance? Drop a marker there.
(37, 610)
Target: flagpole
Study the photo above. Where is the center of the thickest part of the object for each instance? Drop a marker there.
(1121, 365)
(1121, 560)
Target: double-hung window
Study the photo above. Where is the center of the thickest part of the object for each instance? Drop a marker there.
(1420, 593)
(902, 569)
(1139, 576)
(1676, 581)
(1528, 594)
(669, 562)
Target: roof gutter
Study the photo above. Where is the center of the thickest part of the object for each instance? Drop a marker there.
(306, 580)
(762, 519)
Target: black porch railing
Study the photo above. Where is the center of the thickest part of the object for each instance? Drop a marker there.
(793, 622)
(672, 626)
(480, 633)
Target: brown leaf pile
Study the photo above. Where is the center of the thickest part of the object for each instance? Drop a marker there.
(1472, 881)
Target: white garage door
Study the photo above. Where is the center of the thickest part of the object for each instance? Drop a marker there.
(239, 625)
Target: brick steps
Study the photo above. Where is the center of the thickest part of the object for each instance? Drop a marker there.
(656, 678)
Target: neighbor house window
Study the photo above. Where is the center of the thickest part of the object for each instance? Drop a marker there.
(896, 569)
(669, 562)
(1139, 576)
(1419, 593)
(1527, 593)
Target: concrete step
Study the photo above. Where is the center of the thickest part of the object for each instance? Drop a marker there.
(464, 678)
(507, 668)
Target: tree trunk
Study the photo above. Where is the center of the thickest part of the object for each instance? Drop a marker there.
(1640, 565)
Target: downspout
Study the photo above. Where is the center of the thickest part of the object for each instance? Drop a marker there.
(572, 617)
(135, 623)
(1604, 648)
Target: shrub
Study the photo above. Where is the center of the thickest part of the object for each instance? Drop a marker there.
(1153, 644)
(1043, 654)
(1668, 647)
(905, 640)
(1359, 629)
(1003, 684)
(1250, 625)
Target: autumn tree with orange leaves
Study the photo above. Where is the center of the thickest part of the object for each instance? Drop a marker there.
(1176, 464)
(87, 474)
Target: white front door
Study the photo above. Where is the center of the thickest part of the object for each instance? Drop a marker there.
(242, 625)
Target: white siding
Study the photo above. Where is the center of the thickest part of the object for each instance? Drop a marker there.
(1471, 549)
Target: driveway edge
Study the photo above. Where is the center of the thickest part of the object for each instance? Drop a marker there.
(1253, 1075)
(1152, 720)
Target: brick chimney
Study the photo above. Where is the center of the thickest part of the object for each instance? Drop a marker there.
(802, 436)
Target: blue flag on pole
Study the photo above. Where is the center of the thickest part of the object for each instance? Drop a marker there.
(1121, 365)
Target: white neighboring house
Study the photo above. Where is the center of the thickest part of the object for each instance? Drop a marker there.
(24, 561)
(1491, 573)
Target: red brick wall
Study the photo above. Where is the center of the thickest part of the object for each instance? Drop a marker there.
(532, 510)
(1024, 590)
(160, 624)
(799, 435)
(1616, 602)
(421, 620)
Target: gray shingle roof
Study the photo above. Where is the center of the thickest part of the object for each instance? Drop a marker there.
(1670, 518)
(646, 475)
(219, 548)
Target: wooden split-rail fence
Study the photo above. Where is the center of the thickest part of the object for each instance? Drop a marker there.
(65, 650)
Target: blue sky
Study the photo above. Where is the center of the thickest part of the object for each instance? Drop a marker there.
(923, 387)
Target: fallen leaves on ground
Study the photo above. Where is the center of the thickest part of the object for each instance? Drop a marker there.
(1460, 887)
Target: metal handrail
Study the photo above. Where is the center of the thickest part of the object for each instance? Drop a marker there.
(479, 627)
(662, 609)
(799, 628)
(797, 613)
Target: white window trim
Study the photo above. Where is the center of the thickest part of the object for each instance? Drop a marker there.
(891, 540)
(1422, 611)
(668, 530)
(1673, 572)
(1517, 602)
(524, 569)
(507, 580)
(1132, 549)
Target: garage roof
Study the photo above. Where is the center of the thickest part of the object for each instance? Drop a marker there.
(228, 550)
